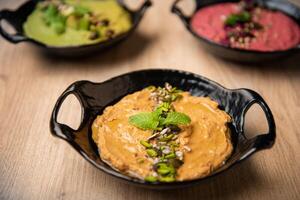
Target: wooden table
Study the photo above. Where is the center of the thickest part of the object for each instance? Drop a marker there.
(35, 165)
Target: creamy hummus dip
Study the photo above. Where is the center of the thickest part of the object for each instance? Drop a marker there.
(205, 142)
(276, 30)
(76, 22)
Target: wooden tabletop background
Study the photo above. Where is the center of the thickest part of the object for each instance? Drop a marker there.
(35, 165)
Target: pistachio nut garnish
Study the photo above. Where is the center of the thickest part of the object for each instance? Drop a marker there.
(162, 146)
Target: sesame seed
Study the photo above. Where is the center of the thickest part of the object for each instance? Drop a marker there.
(187, 148)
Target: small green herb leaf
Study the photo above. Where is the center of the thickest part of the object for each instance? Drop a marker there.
(175, 118)
(145, 120)
(80, 11)
(51, 11)
(233, 19)
(53, 18)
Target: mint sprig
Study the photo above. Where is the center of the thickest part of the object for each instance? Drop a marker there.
(152, 121)
(52, 17)
(234, 19)
(164, 122)
(176, 118)
(145, 120)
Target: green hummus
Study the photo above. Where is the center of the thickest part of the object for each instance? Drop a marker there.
(76, 22)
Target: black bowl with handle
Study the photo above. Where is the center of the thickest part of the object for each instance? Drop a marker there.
(235, 54)
(95, 97)
(18, 17)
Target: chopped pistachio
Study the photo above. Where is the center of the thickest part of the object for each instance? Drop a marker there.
(150, 179)
(59, 27)
(164, 171)
(165, 133)
(167, 179)
(145, 144)
(84, 23)
(171, 155)
(151, 152)
(173, 144)
(151, 88)
(72, 22)
(162, 164)
(167, 138)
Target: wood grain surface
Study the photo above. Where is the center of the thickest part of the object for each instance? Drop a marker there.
(35, 165)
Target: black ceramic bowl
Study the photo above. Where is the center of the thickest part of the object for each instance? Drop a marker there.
(94, 97)
(18, 17)
(235, 54)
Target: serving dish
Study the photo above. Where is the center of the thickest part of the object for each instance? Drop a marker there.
(235, 54)
(94, 97)
(18, 17)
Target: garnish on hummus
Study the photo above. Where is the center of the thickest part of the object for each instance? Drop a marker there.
(163, 135)
(246, 25)
(76, 22)
(164, 121)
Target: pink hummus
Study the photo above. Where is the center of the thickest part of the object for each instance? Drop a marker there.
(279, 32)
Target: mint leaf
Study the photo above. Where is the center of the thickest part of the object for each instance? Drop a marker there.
(80, 11)
(151, 120)
(234, 19)
(176, 118)
(51, 11)
(53, 18)
(49, 14)
(145, 120)
(157, 112)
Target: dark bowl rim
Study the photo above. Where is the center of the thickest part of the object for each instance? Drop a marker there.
(160, 185)
(187, 22)
(140, 12)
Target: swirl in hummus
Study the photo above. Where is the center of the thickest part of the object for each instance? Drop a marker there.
(163, 135)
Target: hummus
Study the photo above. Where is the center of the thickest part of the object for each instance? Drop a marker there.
(278, 32)
(206, 141)
(76, 22)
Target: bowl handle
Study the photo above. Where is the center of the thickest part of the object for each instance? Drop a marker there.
(62, 130)
(263, 141)
(176, 10)
(141, 10)
(144, 6)
(13, 38)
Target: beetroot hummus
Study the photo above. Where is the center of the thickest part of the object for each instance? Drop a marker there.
(252, 29)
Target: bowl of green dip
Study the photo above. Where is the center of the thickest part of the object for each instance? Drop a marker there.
(72, 27)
